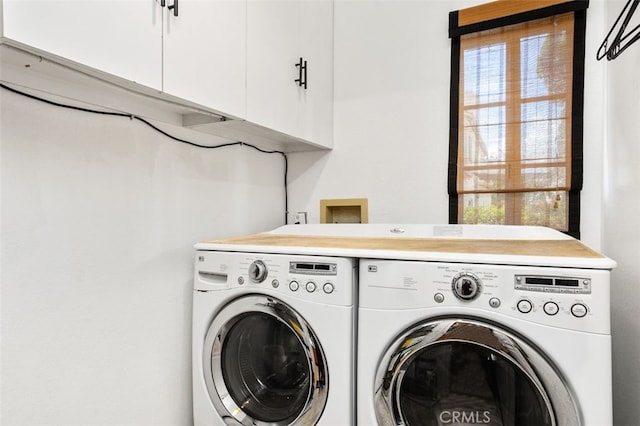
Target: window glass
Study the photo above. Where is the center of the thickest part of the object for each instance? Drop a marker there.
(484, 71)
(543, 131)
(545, 208)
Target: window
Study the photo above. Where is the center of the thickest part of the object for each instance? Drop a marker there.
(516, 113)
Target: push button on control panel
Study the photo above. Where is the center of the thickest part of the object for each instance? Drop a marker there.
(311, 286)
(550, 308)
(578, 310)
(294, 286)
(525, 306)
(328, 288)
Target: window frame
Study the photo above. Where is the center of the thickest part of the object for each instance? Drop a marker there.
(502, 13)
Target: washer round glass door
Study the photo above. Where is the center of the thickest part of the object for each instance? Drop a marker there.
(263, 364)
(463, 371)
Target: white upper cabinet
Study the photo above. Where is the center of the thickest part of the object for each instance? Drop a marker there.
(204, 54)
(316, 34)
(123, 38)
(289, 41)
(238, 59)
(272, 52)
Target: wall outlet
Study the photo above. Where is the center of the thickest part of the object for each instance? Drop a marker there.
(300, 218)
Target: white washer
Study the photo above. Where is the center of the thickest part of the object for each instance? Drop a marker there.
(273, 339)
(511, 341)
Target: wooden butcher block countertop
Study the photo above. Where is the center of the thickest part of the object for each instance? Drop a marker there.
(547, 248)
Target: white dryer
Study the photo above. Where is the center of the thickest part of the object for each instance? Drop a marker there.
(480, 335)
(273, 339)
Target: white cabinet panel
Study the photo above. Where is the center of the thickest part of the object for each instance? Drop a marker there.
(204, 54)
(272, 52)
(279, 33)
(123, 38)
(316, 35)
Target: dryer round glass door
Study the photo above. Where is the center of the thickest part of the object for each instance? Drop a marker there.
(464, 371)
(264, 363)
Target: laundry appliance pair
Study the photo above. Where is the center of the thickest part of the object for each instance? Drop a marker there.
(401, 325)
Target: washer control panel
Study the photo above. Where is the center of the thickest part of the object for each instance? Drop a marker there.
(317, 278)
(321, 276)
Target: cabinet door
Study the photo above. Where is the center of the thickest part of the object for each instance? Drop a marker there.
(316, 102)
(123, 37)
(205, 54)
(272, 52)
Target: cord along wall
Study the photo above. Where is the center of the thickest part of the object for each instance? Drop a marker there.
(166, 134)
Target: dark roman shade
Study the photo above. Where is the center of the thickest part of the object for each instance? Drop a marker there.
(517, 78)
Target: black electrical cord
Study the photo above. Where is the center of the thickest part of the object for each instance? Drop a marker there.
(134, 117)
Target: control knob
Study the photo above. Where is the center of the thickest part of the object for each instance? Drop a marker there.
(466, 286)
(258, 271)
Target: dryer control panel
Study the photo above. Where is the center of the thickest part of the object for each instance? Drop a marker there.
(572, 298)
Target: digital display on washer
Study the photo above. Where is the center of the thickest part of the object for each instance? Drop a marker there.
(567, 282)
(315, 268)
(538, 280)
(551, 284)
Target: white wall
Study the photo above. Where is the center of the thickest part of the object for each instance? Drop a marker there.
(622, 225)
(391, 116)
(98, 221)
